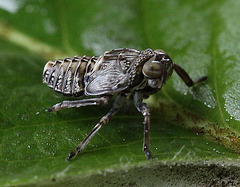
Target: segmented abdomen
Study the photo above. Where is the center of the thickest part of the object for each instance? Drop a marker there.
(67, 76)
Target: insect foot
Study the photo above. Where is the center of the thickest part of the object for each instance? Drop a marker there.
(72, 154)
(128, 74)
(50, 109)
(54, 108)
(147, 152)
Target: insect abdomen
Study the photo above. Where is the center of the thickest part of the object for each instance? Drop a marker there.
(66, 76)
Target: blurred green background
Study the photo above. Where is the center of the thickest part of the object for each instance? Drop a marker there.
(194, 127)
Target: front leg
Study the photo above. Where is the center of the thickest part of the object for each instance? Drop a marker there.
(143, 108)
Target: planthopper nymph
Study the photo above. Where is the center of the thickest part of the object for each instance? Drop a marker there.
(127, 73)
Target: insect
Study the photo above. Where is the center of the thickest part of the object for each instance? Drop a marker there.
(127, 73)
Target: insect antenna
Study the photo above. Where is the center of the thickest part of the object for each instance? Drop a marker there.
(185, 77)
(201, 79)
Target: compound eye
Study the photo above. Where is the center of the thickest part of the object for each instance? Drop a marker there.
(153, 69)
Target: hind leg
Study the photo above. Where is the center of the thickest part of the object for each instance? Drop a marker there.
(105, 119)
(79, 103)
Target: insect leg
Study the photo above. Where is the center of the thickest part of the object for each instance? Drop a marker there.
(105, 119)
(185, 77)
(143, 108)
(129, 104)
(79, 103)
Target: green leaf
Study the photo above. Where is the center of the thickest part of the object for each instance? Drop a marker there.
(194, 132)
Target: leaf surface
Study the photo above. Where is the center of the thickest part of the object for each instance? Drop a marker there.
(190, 128)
